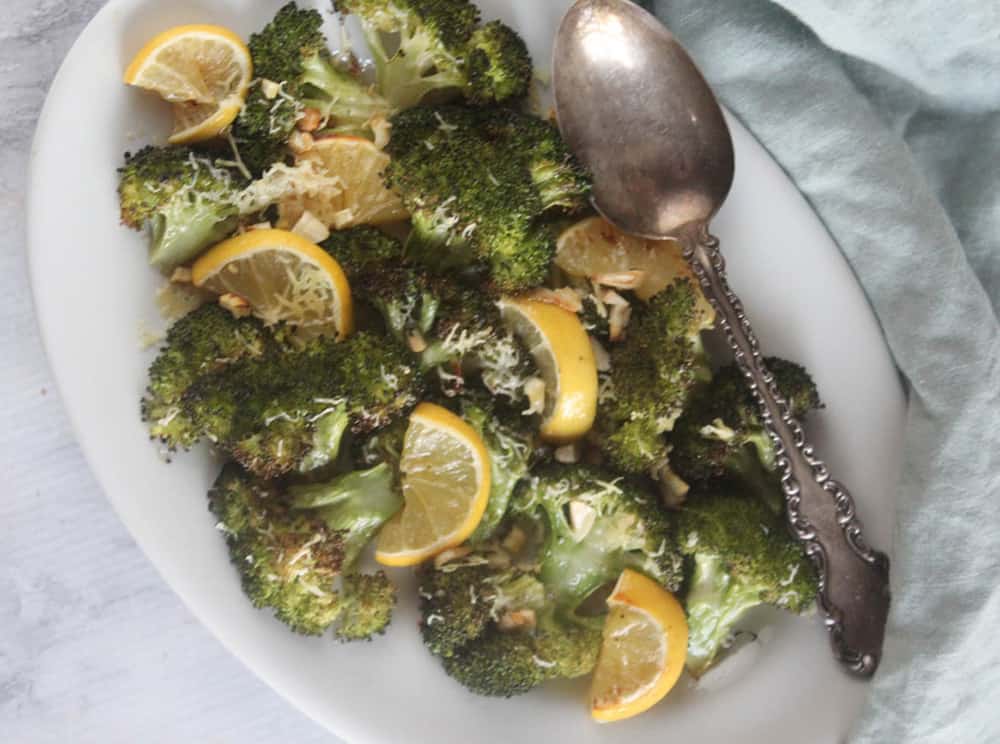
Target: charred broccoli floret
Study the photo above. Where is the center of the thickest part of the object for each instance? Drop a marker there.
(362, 251)
(515, 612)
(597, 525)
(288, 410)
(437, 46)
(743, 556)
(456, 331)
(496, 631)
(198, 344)
(296, 71)
(487, 190)
(653, 374)
(186, 199)
(498, 64)
(720, 438)
(510, 448)
(297, 554)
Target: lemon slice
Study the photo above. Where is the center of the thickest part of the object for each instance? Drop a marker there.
(446, 483)
(204, 71)
(283, 277)
(595, 248)
(362, 199)
(562, 350)
(643, 651)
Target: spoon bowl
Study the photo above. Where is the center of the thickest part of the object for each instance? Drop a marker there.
(658, 145)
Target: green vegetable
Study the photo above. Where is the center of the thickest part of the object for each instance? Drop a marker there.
(742, 557)
(291, 51)
(480, 185)
(510, 450)
(186, 199)
(597, 524)
(515, 613)
(720, 439)
(424, 47)
(300, 558)
(200, 343)
(653, 374)
(284, 408)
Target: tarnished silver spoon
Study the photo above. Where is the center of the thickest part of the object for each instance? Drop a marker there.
(636, 110)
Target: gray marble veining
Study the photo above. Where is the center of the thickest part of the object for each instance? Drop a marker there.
(94, 647)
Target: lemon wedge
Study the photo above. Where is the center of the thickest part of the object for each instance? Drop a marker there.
(561, 348)
(445, 472)
(644, 647)
(362, 198)
(283, 278)
(594, 248)
(203, 71)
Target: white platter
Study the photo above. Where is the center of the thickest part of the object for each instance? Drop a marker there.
(93, 290)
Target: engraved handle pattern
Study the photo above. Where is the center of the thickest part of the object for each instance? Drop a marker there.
(853, 577)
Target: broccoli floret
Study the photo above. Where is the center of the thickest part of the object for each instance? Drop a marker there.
(406, 299)
(597, 525)
(470, 341)
(437, 46)
(519, 611)
(187, 200)
(743, 556)
(481, 185)
(654, 372)
(496, 631)
(456, 331)
(499, 664)
(510, 449)
(362, 251)
(452, 608)
(720, 438)
(269, 413)
(298, 553)
(367, 604)
(291, 52)
(356, 504)
(498, 63)
(287, 561)
(200, 343)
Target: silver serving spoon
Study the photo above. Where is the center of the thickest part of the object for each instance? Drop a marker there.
(636, 110)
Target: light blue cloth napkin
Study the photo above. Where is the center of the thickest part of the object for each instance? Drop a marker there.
(886, 113)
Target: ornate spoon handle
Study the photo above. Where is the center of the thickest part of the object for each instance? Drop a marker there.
(854, 578)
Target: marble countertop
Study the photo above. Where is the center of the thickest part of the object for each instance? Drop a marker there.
(94, 647)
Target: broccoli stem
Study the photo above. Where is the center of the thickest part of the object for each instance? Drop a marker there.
(327, 438)
(183, 230)
(356, 504)
(715, 602)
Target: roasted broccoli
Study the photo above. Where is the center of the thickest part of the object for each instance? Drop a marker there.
(456, 331)
(295, 72)
(186, 199)
(296, 551)
(720, 438)
(198, 344)
(510, 447)
(653, 374)
(743, 556)
(498, 64)
(362, 251)
(481, 185)
(495, 629)
(288, 408)
(515, 612)
(596, 524)
(437, 46)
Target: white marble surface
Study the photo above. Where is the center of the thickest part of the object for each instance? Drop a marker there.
(93, 645)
